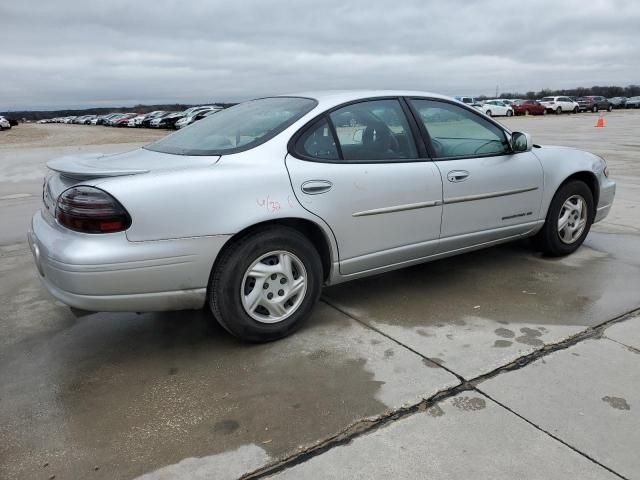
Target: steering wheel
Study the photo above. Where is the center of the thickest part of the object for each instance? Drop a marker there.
(485, 143)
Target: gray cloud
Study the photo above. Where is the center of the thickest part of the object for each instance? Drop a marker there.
(72, 53)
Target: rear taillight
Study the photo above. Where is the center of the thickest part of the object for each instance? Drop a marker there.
(91, 210)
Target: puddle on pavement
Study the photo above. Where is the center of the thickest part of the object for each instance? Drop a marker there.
(156, 388)
(507, 284)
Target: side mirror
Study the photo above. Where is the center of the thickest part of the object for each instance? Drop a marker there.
(521, 142)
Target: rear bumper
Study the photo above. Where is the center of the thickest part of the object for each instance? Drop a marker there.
(110, 273)
(607, 194)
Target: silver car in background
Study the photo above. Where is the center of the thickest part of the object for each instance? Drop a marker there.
(253, 209)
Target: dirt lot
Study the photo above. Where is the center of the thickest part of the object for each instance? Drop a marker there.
(32, 135)
(500, 362)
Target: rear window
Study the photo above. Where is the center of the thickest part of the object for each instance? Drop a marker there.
(236, 129)
(547, 99)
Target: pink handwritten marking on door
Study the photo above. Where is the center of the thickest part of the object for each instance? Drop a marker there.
(270, 205)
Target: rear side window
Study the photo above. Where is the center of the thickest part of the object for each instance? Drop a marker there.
(236, 129)
(318, 142)
(457, 132)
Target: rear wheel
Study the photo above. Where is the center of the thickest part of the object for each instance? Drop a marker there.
(558, 110)
(509, 113)
(568, 221)
(575, 110)
(266, 284)
(595, 109)
(609, 108)
(489, 112)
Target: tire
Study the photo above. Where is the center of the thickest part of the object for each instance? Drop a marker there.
(549, 239)
(594, 109)
(609, 108)
(230, 278)
(575, 110)
(559, 111)
(544, 112)
(509, 113)
(489, 113)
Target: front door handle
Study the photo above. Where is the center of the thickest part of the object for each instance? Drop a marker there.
(457, 175)
(314, 187)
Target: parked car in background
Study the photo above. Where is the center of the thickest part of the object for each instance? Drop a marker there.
(593, 103)
(473, 101)
(205, 114)
(559, 105)
(496, 108)
(149, 117)
(189, 118)
(103, 119)
(4, 123)
(263, 211)
(83, 119)
(633, 102)
(528, 107)
(136, 121)
(123, 120)
(167, 121)
(113, 121)
(618, 102)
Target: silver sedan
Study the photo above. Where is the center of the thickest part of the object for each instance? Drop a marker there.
(252, 210)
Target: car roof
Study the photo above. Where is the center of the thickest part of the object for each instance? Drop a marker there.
(343, 96)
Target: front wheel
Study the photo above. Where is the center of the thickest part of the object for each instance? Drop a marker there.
(266, 284)
(559, 111)
(595, 109)
(609, 108)
(575, 110)
(568, 220)
(489, 112)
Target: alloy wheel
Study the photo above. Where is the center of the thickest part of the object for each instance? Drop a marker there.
(572, 219)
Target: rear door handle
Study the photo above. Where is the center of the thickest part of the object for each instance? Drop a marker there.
(314, 187)
(457, 175)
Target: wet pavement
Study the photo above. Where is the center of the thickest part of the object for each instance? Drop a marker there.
(174, 396)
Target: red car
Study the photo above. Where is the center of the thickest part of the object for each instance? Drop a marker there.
(122, 121)
(529, 107)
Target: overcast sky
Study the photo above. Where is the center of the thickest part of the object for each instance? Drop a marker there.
(67, 53)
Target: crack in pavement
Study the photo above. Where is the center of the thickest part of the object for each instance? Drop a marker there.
(537, 427)
(628, 347)
(366, 426)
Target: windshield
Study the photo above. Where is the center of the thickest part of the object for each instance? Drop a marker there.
(241, 127)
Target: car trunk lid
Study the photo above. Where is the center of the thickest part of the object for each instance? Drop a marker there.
(67, 171)
(98, 165)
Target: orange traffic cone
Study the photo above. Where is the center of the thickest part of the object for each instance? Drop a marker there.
(600, 121)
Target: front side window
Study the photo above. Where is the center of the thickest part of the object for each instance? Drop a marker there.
(234, 129)
(457, 132)
(373, 130)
